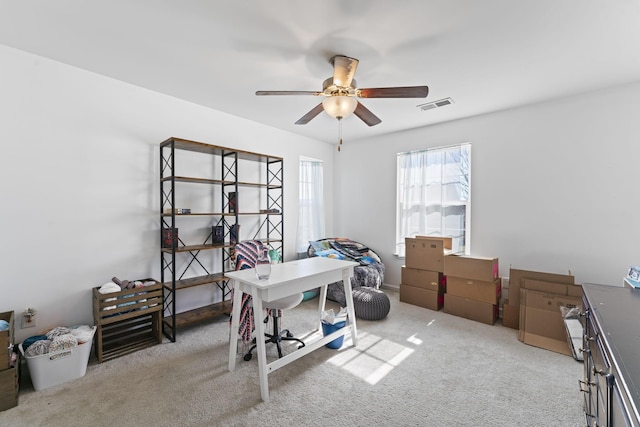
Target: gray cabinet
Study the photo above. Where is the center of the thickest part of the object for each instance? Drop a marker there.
(611, 345)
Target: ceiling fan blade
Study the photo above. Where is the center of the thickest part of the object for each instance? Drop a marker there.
(288, 92)
(366, 116)
(394, 92)
(310, 115)
(343, 70)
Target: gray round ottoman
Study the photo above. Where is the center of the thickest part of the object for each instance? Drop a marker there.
(370, 303)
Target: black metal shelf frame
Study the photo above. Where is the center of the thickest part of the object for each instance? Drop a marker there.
(272, 223)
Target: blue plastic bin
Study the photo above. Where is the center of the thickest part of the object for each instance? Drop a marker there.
(328, 329)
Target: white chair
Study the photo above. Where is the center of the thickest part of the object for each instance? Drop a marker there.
(246, 254)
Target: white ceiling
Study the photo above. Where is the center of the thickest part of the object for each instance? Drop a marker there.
(486, 55)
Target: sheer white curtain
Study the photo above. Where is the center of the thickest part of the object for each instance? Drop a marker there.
(311, 206)
(433, 197)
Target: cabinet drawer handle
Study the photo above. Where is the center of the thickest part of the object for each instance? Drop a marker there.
(598, 371)
(585, 383)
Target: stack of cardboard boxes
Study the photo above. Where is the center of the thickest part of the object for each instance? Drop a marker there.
(433, 277)
(534, 307)
(423, 281)
(473, 288)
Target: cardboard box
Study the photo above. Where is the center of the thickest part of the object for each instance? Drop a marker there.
(510, 315)
(477, 290)
(425, 279)
(426, 253)
(560, 289)
(447, 241)
(468, 267)
(517, 276)
(470, 309)
(571, 290)
(541, 321)
(433, 300)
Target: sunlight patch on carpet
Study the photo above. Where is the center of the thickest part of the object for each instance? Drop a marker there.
(413, 339)
(372, 359)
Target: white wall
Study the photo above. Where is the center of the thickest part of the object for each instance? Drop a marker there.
(79, 171)
(554, 186)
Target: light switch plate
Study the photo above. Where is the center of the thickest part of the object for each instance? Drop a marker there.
(27, 324)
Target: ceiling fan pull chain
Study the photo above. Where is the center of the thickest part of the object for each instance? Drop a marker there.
(339, 133)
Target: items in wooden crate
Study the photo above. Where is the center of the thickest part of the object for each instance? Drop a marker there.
(127, 319)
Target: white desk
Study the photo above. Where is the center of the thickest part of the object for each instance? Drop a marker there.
(287, 279)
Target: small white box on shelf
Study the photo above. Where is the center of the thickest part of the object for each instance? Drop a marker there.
(50, 369)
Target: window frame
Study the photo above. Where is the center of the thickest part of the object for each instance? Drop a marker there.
(317, 212)
(462, 187)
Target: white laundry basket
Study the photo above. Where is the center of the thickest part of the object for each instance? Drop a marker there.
(50, 369)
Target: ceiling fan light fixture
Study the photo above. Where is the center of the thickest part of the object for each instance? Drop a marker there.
(339, 106)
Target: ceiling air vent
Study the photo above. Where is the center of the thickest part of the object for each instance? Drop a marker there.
(435, 104)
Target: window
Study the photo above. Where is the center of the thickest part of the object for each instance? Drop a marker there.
(433, 195)
(311, 204)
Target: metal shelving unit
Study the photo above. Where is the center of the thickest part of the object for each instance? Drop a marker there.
(187, 265)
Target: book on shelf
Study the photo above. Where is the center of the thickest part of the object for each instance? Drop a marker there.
(169, 237)
(217, 234)
(234, 233)
(233, 202)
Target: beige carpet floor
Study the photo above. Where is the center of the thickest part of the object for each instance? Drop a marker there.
(417, 367)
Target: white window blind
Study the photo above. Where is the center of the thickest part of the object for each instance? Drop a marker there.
(434, 195)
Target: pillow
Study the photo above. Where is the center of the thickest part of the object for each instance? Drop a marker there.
(330, 253)
(319, 245)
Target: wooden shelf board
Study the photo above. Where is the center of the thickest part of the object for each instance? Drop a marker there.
(201, 313)
(195, 248)
(197, 281)
(222, 213)
(218, 182)
(200, 147)
(192, 180)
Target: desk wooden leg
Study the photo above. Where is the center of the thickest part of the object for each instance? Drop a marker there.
(346, 280)
(235, 323)
(260, 346)
(321, 305)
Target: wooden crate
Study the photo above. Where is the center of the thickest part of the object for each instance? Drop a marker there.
(6, 340)
(9, 386)
(128, 320)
